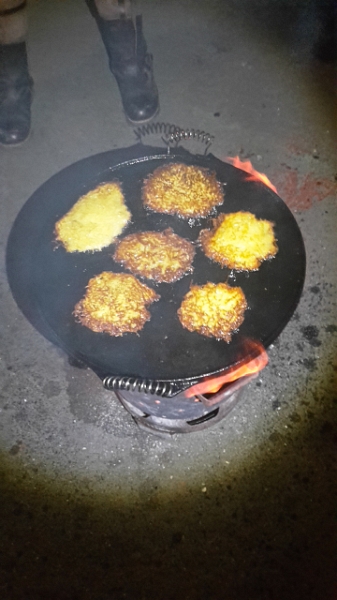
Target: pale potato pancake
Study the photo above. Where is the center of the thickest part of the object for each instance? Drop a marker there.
(163, 257)
(95, 220)
(115, 303)
(186, 191)
(213, 310)
(239, 241)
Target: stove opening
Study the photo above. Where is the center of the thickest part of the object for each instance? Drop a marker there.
(200, 405)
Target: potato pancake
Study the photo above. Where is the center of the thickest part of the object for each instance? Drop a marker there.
(163, 257)
(186, 191)
(213, 310)
(239, 241)
(115, 303)
(95, 220)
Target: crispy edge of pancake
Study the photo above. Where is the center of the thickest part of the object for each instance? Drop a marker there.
(65, 236)
(230, 258)
(138, 253)
(158, 186)
(202, 310)
(131, 300)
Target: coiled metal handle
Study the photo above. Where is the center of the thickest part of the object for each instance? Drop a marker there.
(146, 386)
(172, 135)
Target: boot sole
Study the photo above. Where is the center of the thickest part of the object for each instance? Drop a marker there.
(17, 144)
(144, 121)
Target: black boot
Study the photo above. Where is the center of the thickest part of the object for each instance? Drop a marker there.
(16, 87)
(130, 64)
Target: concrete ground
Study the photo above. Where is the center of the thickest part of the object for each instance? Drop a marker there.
(92, 507)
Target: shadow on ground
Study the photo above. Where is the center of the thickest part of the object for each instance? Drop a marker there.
(265, 532)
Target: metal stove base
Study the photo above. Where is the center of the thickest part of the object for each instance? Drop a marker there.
(168, 416)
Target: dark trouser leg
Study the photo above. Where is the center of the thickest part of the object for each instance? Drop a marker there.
(129, 60)
(15, 82)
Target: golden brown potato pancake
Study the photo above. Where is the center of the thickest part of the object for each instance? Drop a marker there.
(163, 257)
(239, 241)
(115, 303)
(186, 191)
(213, 310)
(95, 220)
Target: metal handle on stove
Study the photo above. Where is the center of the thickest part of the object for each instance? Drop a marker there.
(172, 135)
(166, 389)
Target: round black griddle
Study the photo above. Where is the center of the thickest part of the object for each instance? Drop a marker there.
(46, 281)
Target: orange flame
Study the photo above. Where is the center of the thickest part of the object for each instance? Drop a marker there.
(248, 167)
(252, 366)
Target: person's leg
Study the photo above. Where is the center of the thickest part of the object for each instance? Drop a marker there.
(129, 60)
(15, 82)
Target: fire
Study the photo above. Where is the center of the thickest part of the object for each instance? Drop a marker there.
(253, 174)
(246, 367)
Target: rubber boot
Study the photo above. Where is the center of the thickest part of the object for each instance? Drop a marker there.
(16, 87)
(131, 65)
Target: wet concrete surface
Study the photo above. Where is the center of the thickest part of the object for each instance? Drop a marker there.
(92, 507)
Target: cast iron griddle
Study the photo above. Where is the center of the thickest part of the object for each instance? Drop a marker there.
(46, 281)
